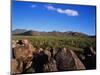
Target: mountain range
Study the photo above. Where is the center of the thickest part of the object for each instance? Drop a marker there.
(53, 33)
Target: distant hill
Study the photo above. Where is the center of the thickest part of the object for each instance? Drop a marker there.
(18, 31)
(53, 33)
(30, 33)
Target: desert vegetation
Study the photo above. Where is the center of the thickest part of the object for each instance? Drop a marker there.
(75, 43)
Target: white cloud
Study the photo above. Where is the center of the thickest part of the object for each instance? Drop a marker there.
(49, 7)
(33, 6)
(60, 10)
(68, 12)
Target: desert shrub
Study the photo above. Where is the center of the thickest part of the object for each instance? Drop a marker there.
(75, 43)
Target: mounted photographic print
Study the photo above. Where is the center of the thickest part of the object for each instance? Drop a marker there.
(52, 37)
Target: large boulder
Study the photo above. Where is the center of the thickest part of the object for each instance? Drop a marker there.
(23, 53)
(64, 60)
(16, 67)
(78, 63)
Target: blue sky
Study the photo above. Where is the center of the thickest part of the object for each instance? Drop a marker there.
(53, 17)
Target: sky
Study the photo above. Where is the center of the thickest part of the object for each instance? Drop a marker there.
(53, 17)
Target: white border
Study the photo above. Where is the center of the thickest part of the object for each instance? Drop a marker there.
(4, 37)
(86, 2)
(5, 26)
